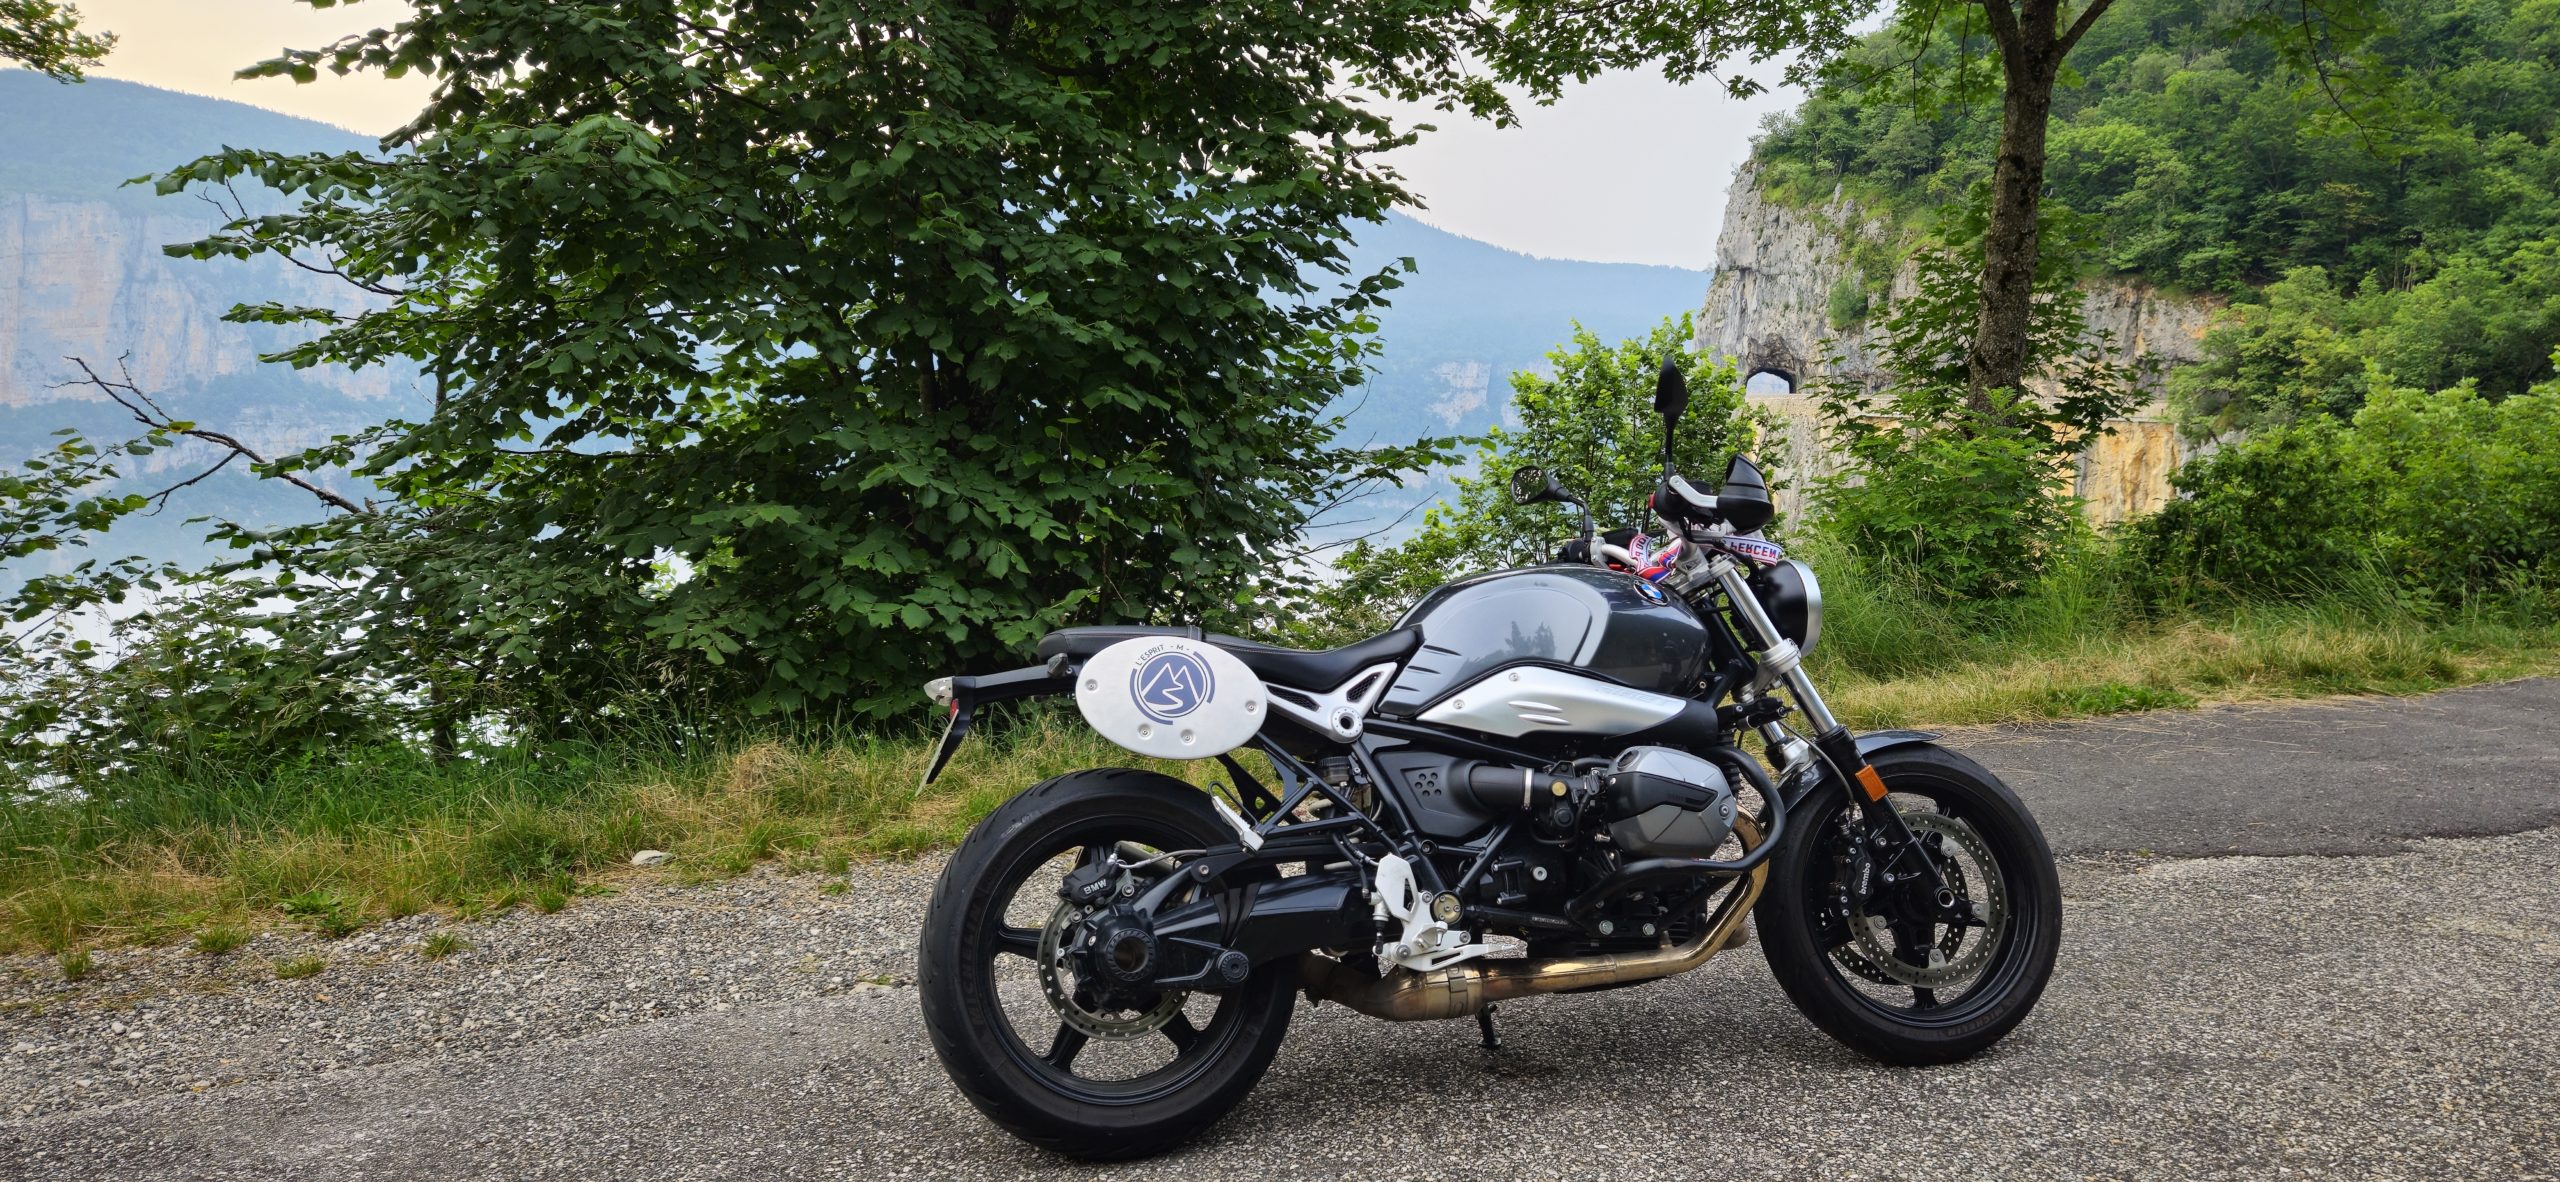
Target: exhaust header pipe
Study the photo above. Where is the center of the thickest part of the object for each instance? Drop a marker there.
(1464, 989)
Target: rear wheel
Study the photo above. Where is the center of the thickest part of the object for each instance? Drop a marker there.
(1909, 974)
(1059, 1055)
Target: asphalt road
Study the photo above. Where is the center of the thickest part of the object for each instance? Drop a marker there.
(2357, 775)
(2378, 1001)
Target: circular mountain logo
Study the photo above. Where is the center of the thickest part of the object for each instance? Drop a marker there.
(1170, 685)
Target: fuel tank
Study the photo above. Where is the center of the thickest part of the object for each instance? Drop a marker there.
(1614, 625)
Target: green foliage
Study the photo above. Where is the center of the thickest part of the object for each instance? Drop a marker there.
(58, 501)
(208, 673)
(2448, 495)
(298, 967)
(1968, 495)
(1591, 423)
(1849, 302)
(439, 945)
(45, 36)
(790, 354)
(1967, 503)
(2414, 170)
(1545, 45)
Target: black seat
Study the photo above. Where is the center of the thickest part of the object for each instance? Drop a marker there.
(1295, 668)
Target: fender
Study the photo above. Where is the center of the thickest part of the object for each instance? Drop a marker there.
(1870, 745)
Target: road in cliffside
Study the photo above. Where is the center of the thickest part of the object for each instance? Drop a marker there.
(2303, 940)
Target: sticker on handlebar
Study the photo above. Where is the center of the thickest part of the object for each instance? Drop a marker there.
(1759, 551)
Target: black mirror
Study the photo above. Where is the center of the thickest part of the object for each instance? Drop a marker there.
(1744, 501)
(1670, 394)
(1533, 484)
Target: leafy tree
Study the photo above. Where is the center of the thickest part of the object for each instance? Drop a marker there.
(45, 36)
(1591, 423)
(1969, 499)
(818, 348)
(1936, 45)
(2219, 159)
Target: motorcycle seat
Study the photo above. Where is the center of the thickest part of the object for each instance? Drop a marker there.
(1315, 670)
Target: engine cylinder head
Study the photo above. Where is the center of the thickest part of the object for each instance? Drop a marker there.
(1666, 803)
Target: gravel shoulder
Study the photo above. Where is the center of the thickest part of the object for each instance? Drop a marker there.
(2383, 1015)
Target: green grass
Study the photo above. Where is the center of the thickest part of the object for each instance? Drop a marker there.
(219, 939)
(440, 945)
(2080, 644)
(390, 833)
(299, 967)
(215, 857)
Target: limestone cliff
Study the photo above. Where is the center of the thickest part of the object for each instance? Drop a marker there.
(82, 274)
(1771, 306)
(87, 279)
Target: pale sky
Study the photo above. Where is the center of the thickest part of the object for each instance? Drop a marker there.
(1626, 169)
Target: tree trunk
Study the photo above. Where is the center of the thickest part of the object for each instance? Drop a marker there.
(1998, 358)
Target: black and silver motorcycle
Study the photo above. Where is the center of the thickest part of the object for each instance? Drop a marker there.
(1554, 754)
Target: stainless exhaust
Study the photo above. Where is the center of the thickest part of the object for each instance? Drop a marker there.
(1461, 990)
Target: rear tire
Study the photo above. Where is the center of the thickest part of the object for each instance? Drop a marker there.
(1800, 928)
(1025, 1088)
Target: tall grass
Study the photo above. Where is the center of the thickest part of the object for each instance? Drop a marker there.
(388, 832)
(2081, 641)
(207, 852)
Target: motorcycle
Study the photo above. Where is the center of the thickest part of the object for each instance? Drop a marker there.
(1540, 781)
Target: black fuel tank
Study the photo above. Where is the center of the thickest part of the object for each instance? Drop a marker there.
(1602, 621)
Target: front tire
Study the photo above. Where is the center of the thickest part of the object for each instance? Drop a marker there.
(1166, 1082)
(1899, 1004)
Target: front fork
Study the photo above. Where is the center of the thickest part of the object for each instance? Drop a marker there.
(1832, 742)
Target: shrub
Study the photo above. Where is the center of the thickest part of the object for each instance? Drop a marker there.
(1967, 510)
(2446, 495)
(2274, 513)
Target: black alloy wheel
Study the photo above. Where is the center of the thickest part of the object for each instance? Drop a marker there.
(1928, 969)
(1018, 984)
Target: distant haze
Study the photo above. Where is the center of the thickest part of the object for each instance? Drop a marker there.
(1627, 168)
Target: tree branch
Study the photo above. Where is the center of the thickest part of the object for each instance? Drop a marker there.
(148, 413)
(2004, 26)
(2088, 16)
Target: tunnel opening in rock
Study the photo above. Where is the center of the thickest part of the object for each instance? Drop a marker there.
(1769, 383)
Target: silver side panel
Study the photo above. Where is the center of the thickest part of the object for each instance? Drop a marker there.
(1528, 700)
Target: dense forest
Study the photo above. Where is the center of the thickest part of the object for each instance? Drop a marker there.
(2398, 209)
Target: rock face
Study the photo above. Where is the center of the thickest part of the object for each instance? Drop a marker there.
(87, 279)
(1770, 309)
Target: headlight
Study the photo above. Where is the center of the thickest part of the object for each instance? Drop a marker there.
(1793, 599)
(1812, 606)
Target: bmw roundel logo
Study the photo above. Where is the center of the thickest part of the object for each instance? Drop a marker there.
(1170, 685)
(1651, 592)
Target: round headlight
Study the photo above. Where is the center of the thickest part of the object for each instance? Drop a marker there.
(1812, 606)
(1793, 599)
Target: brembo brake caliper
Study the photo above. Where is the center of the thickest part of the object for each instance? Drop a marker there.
(1899, 847)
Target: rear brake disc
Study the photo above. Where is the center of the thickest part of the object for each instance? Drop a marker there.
(1057, 983)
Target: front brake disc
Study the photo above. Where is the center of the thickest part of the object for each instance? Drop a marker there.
(1959, 951)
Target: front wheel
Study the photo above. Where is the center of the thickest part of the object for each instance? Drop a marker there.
(1925, 970)
(1043, 1043)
